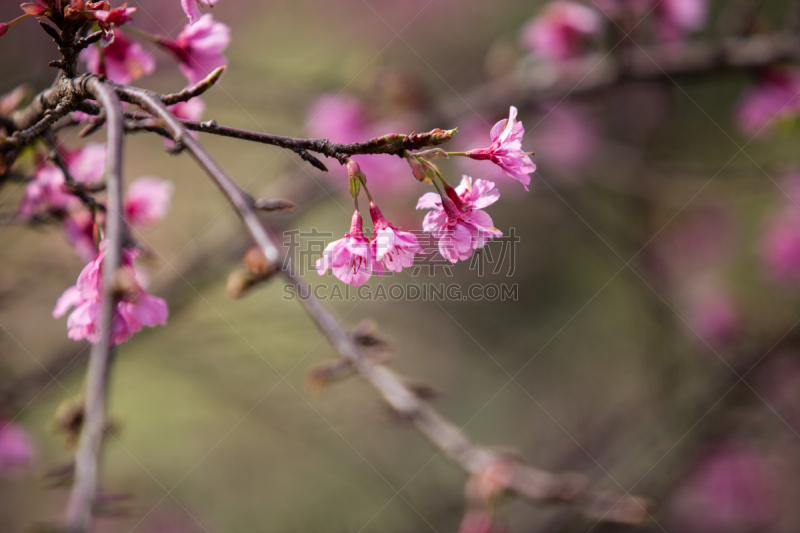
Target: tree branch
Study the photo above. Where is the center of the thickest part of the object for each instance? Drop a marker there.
(84, 489)
(526, 481)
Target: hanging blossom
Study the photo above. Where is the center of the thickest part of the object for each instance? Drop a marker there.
(506, 149)
(121, 61)
(192, 8)
(561, 30)
(773, 100)
(198, 48)
(393, 248)
(458, 221)
(134, 309)
(350, 258)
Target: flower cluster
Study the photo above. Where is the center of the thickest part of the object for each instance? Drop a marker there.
(134, 308)
(146, 202)
(456, 220)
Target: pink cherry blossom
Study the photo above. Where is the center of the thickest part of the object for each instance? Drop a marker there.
(46, 191)
(393, 248)
(192, 8)
(350, 258)
(79, 228)
(147, 200)
(561, 30)
(506, 149)
(17, 451)
(774, 99)
(198, 48)
(114, 17)
(122, 61)
(135, 308)
(458, 221)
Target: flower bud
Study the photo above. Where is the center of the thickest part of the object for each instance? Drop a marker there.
(356, 178)
(239, 282)
(277, 204)
(257, 264)
(421, 169)
(3, 28)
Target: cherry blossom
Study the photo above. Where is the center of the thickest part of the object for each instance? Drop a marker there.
(17, 451)
(506, 149)
(560, 31)
(192, 8)
(134, 309)
(121, 61)
(198, 48)
(458, 221)
(46, 191)
(350, 258)
(147, 200)
(393, 248)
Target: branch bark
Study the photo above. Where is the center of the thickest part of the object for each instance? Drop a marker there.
(84, 489)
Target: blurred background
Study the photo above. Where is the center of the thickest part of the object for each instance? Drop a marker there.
(652, 347)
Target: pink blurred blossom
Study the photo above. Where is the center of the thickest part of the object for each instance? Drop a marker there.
(344, 119)
(46, 191)
(506, 149)
(713, 316)
(394, 248)
(561, 30)
(567, 140)
(79, 228)
(198, 48)
(191, 110)
(17, 451)
(458, 222)
(774, 99)
(192, 8)
(730, 489)
(350, 258)
(147, 200)
(122, 61)
(134, 310)
(675, 19)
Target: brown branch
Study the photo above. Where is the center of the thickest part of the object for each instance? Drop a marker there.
(84, 489)
(526, 481)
